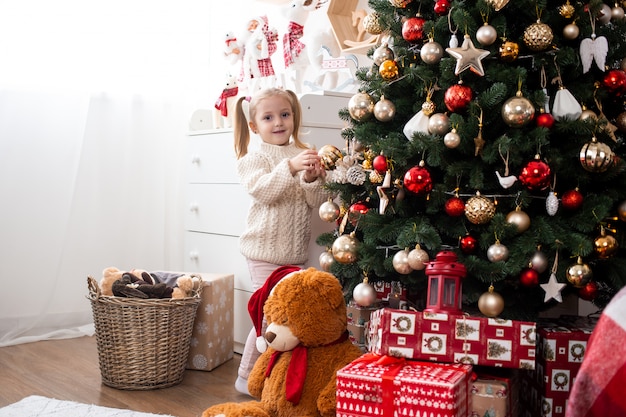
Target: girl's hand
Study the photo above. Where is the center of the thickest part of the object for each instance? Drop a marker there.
(314, 172)
(307, 160)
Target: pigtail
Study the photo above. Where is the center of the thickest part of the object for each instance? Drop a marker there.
(241, 130)
(297, 119)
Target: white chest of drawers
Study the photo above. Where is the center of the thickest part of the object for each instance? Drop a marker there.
(217, 205)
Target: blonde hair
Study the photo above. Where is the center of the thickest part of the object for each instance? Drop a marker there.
(246, 111)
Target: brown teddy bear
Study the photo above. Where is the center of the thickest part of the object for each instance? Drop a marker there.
(308, 343)
(142, 284)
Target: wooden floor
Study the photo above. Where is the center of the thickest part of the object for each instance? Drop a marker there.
(68, 370)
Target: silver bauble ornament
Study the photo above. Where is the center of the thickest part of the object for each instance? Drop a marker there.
(418, 258)
(604, 15)
(486, 34)
(364, 294)
(490, 303)
(431, 53)
(518, 111)
(382, 53)
(400, 262)
(497, 252)
(439, 124)
(326, 260)
(452, 139)
(539, 262)
(384, 110)
(519, 218)
(329, 211)
(617, 13)
(345, 248)
(361, 107)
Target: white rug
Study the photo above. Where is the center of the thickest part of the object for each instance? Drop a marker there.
(36, 406)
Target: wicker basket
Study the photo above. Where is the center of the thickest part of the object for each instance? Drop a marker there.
(142, 343)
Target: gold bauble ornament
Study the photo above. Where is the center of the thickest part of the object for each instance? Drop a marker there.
(418, 258)
(605, 245)
(596, 156)
(428, 108)
(490, 303)
(519, 218)
(361, 107)
(571, 31)
(567, 10)
(400, 3)
(388, 70)
(345, 249)
(538, 36)
(329, 155)
(479, 209)
(588, 115)
(498, 4)
(509, 51)
(371, 23)
(384, 110)
(400, 262)
(329, 211)
(518, 111)
(579, 274)
(620, 122)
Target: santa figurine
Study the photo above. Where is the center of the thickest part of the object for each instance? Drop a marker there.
(260, 44)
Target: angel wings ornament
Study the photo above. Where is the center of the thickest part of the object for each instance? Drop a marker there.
(594, 48)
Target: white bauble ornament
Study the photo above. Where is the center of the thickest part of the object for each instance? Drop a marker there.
(439, 124)
(452, 139)
(431, 53)
(491, 303)
(329, 211)
(400, 262)
(497, 252)
(326, 260)
(417, 124)
(364, 294)
(486, 34)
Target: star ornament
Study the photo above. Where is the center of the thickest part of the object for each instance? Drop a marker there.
(468, 57)
(553, 289)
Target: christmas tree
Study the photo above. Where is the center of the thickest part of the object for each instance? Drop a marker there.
(494, 129)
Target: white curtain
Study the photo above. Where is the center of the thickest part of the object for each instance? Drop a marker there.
(95, 100)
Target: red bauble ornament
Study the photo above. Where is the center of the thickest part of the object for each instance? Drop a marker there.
(615, 82)
(572, 199)
(529, 277)
(468, 244)
(455, 207)
(356, 211)
(442, 7)
(418, 180)
(413, 29)
(589, 292)
(536, 175)
(545, 120)
(457, 97)
(380, 163)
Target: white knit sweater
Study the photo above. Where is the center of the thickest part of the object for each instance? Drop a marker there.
(278, 227)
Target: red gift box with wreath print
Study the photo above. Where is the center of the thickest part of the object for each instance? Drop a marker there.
(561, 346)
(379, 385)
(452, 338)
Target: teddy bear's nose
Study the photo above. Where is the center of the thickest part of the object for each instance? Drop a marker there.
(270, 336)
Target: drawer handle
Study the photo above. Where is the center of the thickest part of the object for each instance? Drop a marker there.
(193, 207)
(193, 255)
(195, 160)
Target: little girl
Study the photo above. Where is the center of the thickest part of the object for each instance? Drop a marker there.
(285, 180)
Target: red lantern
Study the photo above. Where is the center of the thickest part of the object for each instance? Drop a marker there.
(572, 199)
(445, 283)
(417, 180)
(536, 175)
(413, 29)
(455, 207)
(457, 97)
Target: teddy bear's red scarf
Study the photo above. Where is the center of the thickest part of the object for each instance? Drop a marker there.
(296, 372)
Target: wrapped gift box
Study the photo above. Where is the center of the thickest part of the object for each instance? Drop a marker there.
(376, 385)
(213, 330)
(495, 395)
(453, 338)
(358, 317)
(561, 347)
(384, 290)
